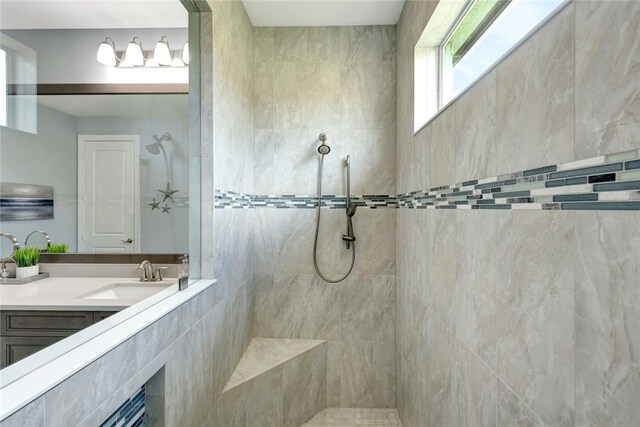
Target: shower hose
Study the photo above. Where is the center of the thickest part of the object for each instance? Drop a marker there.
(315, 242)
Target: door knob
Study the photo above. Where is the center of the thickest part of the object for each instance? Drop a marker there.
(129, 240)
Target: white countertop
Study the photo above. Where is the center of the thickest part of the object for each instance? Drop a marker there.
(66, 293)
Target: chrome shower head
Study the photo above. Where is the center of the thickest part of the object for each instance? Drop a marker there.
(323, 148)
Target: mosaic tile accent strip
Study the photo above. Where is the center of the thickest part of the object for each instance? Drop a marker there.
(340, 417)
(130, 413)
(610, 182)
(233, 200)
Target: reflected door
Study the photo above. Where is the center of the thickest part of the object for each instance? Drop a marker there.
(108, 193)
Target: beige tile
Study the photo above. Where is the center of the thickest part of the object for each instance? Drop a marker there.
(443, 149)
(290, 44)
(535, 129)
(475, 113)
(323, 44)
(512, 411)
(607, 305)
(607, 71)
(535, 302)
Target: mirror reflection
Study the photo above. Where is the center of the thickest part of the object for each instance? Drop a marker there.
(99, 173)
(94, 160)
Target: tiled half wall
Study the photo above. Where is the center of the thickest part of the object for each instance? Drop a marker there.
(610, 182)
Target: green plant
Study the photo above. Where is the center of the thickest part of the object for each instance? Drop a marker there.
(58, 248)
(27, 256)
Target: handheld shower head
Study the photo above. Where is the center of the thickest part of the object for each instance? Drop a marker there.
(323, 149)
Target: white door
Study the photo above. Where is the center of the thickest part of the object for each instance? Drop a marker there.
(108, 193)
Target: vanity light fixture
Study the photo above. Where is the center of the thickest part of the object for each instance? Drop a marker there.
(162, 53)
(107, 53)
(133, 55)
(185, 53)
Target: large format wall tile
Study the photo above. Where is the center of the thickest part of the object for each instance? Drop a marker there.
(607, 318)
(535, 300)
(443, 149)
(535, 99)
(341, 81)
(511, 411)
(475, 293)
(306, 307)
(475, 131)
(607, 75)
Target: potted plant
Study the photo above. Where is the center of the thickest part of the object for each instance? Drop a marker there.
(57, 248)
(27, 261)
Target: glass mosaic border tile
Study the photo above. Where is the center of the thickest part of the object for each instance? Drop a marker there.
(130, 413)
(610, 182)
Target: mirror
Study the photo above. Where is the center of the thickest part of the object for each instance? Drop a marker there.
(97, 156)
(97, 167)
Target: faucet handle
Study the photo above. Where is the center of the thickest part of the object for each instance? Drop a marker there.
(158, 273)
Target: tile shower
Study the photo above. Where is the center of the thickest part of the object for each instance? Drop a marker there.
(496, 280)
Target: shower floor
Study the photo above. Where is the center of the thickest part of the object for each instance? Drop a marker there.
(343, 417)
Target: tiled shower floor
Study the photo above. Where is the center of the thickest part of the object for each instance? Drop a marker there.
(343, 417)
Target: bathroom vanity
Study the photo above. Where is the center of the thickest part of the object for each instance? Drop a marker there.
(25, 332)
(38, 314)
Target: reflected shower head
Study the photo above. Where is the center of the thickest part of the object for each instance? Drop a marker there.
(153, 148)
(156, 147)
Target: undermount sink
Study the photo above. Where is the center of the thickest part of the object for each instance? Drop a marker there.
(128, 291)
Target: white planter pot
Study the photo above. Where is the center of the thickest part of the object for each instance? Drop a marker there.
(24, 272)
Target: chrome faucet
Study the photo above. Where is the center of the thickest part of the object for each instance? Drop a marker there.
(147, 274)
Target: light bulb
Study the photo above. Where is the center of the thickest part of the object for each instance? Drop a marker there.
(185, 53)
(107, 53)
(134, 55)
(161, 53)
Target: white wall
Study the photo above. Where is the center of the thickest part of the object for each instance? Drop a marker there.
(159, 232)
(69, 56)
(46, 158)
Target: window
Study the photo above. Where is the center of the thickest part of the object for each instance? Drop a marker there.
(466, 40)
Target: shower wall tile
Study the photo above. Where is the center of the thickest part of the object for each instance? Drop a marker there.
(263, 45)
(323, 44)
(535, 99)
(263, 99)
(442, 143)
(535, 300)
(306, 307)
(290, 44)
(511, 411)
(607, 318)
(443, 256)
(341, 81)
(382, 178)
(607, 71)
(475, 283)
(289, 95)
(324, 111)
(368, 374)
(475, 119)
(475, 390)
(543, 301)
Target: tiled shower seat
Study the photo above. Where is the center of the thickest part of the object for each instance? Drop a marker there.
(278, 382)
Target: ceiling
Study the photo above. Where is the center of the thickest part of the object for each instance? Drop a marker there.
(81, 14)
(266, 13)
(78, 14)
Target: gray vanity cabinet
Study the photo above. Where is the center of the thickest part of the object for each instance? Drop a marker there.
(23, 333)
